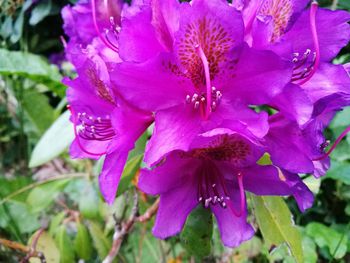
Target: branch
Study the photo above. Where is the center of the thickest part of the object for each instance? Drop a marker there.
(121, 232)
(30, 251)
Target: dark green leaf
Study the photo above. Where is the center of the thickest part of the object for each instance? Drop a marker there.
(130, 169)
(38, 110)
(339, 171)
(276, 224)
(64, 245)
(101, 242)
(197, 233)
(82, 242)
(33, 67)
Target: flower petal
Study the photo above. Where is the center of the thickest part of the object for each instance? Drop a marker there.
(233, 230)
(174, 207)
(112, 170)
(175, 128)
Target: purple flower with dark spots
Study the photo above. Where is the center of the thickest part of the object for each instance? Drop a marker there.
(103, 123)
(195, 72)
(215, 172)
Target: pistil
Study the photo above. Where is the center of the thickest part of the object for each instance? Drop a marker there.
(207, 80)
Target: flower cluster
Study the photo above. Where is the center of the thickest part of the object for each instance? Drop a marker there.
(224, 85)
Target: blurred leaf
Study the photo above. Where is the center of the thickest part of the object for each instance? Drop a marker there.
(40, 11)
(89, 201)
(55, 222)
(328, 237)
(342, 152)
(276, 224)
(47, 246)
(43, 196)
(38, 109)
(130, 169)
(344, 4)
(17, 31)
(33, 67)
(265, 159)
(313, 184)
(26, 221)
(82, 242)
(8, 186)
(309, 248)
(197, 233)
(339, 171)
(55, 140)
(342, 119)
(65, 245)
(101, 242)
(6, 27)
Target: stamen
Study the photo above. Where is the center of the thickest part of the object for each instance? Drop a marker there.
(337, 141)
(207, 80)
(103, 38)
(313, 10)
(77, 136)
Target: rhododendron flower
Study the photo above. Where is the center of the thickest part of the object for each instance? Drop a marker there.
(104, 124)
(195, 72)
(215, 172)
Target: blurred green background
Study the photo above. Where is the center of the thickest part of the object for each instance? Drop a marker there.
(50, 199)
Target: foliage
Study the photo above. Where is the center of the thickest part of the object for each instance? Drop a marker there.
(42, 188)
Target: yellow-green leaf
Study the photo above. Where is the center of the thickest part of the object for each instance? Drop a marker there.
(47, 246)
(276, 224)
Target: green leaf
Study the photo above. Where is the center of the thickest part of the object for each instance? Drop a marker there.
(313, 184)
(309, 248)
(43, 196)
(327, 237)
(65, 245)
(342, 119)
(33, 67)
(82, 242)
(38, 110)
(55, 222)
(47, 246)
(101, 242)
(40, 11)
(197, 233)
(25, 220)
(55, 140)
(339, 171)
(130, 169)
(276, 224)
(88, 203)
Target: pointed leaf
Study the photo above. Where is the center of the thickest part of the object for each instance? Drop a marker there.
(197, 233)
(55, 140)
(83, 242)
(101, 242)
(47, 246)
(276, 224)
(64, 245)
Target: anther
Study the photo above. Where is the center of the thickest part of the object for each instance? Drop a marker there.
(188, 98)
(196, 105)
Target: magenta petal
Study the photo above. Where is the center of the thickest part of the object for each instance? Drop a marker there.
(255, 80)
(173, 173)
(174, 207)
(328, 79)
(265, 180)
(112, 170)
(332, 28)
(152, 85)
(233, 230)
(137, 39)
(294, 103)
(175, 128)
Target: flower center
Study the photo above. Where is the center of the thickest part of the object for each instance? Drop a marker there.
(91, 128)
(212, 189)
(305, 68)
(87, 127)
(200, 102)
(281, 12)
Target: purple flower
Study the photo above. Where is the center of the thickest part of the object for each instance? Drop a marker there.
(194, 71)
(104, 124)
(215, 172)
